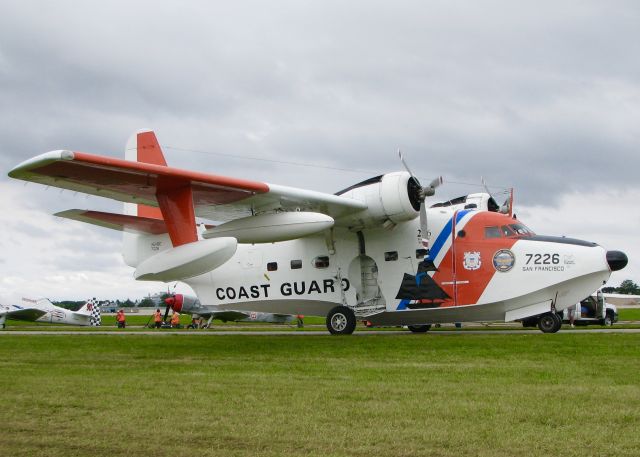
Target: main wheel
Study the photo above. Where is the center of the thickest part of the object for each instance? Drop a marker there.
(608, 320)
(341, 321)
(549, 323)
(419, 328)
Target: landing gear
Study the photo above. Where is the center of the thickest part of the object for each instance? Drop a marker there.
(607, 321)
(341, 321)
(549, 323)
(419, 328)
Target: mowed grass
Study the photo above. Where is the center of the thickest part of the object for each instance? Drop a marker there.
(629, 314)
(376, 395)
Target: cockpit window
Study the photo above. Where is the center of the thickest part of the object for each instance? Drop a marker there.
(521, 229)
(506, 231)
(492, 232)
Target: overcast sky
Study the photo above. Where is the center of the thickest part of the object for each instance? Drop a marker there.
(543, 96)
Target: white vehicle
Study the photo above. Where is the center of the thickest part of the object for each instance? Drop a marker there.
(373, 251)
(42, 310)
(593, 310)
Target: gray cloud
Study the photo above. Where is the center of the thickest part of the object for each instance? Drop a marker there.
(543, 97)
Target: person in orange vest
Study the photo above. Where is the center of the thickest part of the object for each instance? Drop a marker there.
(121, 319)
(175, 320)
(157, 318)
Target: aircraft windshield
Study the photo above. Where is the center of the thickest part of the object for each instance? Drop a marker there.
(521, 229)
(507, 231)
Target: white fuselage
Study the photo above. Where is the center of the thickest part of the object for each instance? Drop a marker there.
(52, 314)
(364, 271)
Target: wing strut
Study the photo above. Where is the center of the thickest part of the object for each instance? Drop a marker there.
(176, 203)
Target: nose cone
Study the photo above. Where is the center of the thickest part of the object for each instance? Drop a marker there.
(617, 260)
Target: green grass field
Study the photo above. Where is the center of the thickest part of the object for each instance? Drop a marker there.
(383, 395)
(134, 320)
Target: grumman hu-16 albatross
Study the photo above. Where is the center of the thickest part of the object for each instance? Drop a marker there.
(372, 251)
(44, 311)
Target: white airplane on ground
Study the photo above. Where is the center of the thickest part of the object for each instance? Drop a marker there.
(372, 251)
(42, 310)
(191, 305)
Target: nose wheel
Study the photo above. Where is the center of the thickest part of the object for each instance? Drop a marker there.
(549, 323)
(341, 321)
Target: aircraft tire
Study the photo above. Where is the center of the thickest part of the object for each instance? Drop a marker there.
(549, 323)
(419, 328)
(341, 321)
(607, 321)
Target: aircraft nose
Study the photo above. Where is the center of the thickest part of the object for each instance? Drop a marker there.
(617, 260)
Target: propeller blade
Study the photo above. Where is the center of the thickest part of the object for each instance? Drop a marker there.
(486, 188)
(423, 221)
(430, 190)
(166, 313)
(405, 164)
(507, 206)
(436, 182)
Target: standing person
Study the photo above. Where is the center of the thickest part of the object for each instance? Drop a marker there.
(121, 319)
(175, 320)
(572, 314)
(157, 318)
(300, 321)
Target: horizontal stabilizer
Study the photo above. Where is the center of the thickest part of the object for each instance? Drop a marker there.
(121, 222)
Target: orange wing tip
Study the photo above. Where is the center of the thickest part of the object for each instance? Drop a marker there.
(39, 161)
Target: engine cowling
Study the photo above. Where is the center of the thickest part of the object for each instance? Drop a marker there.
(391, 198)
(183, 303)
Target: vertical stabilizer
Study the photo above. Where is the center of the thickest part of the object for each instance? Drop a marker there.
(92, 309)
(143, 147)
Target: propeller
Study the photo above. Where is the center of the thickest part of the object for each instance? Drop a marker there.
(420, 193)
(506, 207)
(169, 300)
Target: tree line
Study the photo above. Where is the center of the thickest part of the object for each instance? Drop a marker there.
(626, 287)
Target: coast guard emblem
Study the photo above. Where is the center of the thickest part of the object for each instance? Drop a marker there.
(471, 261)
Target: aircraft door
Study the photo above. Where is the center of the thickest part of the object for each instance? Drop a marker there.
(363, 274)
(252, 259)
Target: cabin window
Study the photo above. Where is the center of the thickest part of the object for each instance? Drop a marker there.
(322, 261)
(391, 256)
(492, 232)
(462, 233)
(296, 264)
(272, 266)
(421, 253)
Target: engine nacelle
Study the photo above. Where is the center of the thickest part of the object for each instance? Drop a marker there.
(183, 303)
(390, 199)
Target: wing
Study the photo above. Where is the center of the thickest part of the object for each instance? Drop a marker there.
(226, 315)
(25, 314)
(215, 197)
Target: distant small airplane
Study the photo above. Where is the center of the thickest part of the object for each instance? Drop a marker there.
(42, 310)
(191, 305)
(373, 251)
